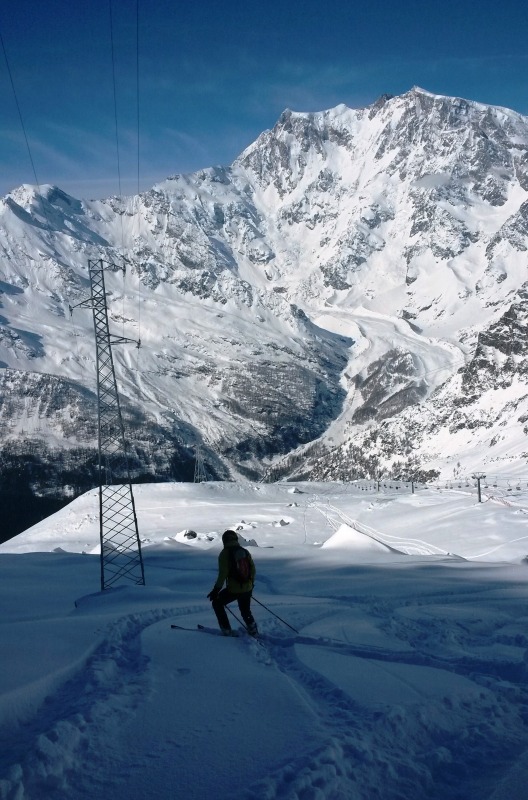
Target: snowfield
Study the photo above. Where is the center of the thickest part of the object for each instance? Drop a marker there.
(398, 667)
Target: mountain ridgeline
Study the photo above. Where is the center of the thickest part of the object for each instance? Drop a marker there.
(348, 298)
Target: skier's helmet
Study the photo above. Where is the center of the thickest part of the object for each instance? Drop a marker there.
(229, 536)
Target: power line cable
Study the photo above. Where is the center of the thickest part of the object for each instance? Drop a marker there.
(118, 155)
(138, 176)
(26, 139)
(37, 182)
(112, 49)
(137, 91)
(19, 112)
(118, 151)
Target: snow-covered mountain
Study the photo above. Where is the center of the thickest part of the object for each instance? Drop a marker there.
(354, 283)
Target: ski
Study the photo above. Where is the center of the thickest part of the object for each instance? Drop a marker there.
(216, 632)
(234, 631)
(204, 629)
(234, 634)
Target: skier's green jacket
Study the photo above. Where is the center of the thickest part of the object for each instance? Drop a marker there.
(224, 563)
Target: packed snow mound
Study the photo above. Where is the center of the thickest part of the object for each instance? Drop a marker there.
(350, 539)
(190, 537)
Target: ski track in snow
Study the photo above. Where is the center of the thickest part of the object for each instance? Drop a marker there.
(45, 754)
(345, 766)
(404, 545)
(113, 680)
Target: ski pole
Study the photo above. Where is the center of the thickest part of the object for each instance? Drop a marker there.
(274, 614)
(235, 616)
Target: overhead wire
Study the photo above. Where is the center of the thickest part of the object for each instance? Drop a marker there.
(138, 183)
(118, 149)
(112, 50)
(124, 246)
(24, 132)
(76, 334)
(118, 156)
(10, 74)
(137, 89)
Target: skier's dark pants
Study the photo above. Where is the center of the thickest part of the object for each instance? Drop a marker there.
(244, 603)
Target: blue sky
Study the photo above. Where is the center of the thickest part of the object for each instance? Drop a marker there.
(214, 74)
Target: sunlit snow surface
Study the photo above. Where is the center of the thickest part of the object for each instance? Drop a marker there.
(408, 678)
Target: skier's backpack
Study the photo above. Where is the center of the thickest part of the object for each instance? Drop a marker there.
(241, 563)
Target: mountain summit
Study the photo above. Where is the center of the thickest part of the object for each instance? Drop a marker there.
(354, 283)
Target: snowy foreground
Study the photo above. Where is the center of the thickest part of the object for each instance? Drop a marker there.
(408, 679)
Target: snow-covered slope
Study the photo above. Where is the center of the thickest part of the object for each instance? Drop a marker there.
(407, 677)
(356, 278)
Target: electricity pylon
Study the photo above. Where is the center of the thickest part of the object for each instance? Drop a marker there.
(121, 558)
(199, 469)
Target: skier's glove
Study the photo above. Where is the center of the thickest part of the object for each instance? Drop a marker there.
(213, 594)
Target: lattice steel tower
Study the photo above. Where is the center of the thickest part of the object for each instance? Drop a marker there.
(121, 558)
(199, 469)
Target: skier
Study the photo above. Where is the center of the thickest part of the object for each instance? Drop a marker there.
(236, 567)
